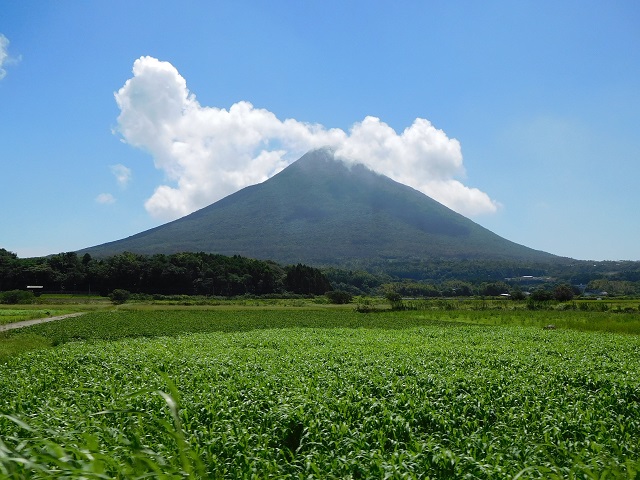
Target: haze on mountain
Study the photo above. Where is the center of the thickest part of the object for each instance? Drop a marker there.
(323, 211)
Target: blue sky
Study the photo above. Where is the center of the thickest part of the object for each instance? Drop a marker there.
(521, 115)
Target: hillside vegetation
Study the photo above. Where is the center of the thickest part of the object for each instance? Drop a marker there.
(320, 212)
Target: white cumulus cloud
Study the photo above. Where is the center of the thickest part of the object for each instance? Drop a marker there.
(208, 153)
(122, 174)
(105, 199)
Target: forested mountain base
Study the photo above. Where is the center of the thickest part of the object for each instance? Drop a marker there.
(180, 273)
(218, 275)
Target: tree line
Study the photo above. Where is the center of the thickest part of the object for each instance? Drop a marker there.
(552, 283)
(180, 273)
(218, 275)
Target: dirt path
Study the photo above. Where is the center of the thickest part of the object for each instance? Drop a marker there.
(27, 323)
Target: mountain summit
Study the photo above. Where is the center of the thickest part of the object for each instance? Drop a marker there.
(322, 211)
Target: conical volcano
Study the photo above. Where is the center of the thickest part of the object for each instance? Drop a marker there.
(321, 211)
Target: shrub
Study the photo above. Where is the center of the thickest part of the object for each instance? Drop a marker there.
(339, 297)
(119, 296)
(13, 297)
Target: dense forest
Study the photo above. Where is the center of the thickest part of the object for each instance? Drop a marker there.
(219, 275)
(181, 273)
(447, 277)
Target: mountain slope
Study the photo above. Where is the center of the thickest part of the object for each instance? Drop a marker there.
(321, 211)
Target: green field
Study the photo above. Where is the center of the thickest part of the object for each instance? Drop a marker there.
(11, 315)
(52, 305)
(322, 392)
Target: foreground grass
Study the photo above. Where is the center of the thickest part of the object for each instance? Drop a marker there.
(320, 393)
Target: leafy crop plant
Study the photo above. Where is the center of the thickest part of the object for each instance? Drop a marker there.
(428, 400)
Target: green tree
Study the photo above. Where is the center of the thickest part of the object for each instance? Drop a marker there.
(339, 297)
(494, 289)
(9, 269)
(456, 288)
(307, 280)
(563, 293)
(541, 295)
(395, 299)
(517, 293)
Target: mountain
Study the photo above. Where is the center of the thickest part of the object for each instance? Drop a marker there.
(320, 211)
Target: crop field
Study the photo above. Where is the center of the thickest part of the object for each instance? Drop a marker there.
(321, 393)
